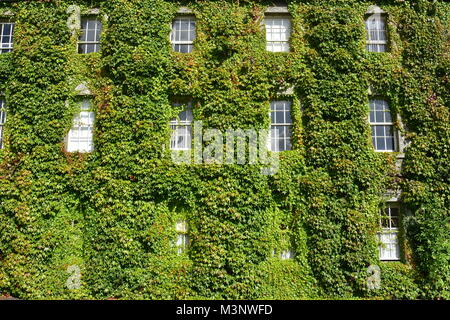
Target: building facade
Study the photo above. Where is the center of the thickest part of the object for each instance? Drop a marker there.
(233, 150)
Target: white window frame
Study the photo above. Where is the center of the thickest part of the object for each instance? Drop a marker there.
(185, 124)
(2, 119)
(83, 122)
(386, 123)
(389, 248)
(183, 240)
(289, 125)
(173, 33)
(284, 37)
(9, 45)
(380, 32)
(97, 32)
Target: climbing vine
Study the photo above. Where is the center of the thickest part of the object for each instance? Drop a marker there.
(112, 213)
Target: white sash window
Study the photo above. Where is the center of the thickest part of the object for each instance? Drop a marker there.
(281, 126)
(389, 247)
(89, 41)
(376, 33)
(80, 136)
(182, 129)
(382, 125)
(183, 34)
(278, 32)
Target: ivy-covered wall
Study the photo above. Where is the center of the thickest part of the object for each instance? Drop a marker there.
(112, 212)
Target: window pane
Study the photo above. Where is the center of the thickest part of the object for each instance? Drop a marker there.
(91, 48)
(388, 131)
(381, 144)
(394, 212)
(288, 144)
(379, 106)
(279, 117)
(278, 30)
(83, 36)
(280, 133)
(288, 117)
(379, 116)
(90, 35)
(183, 34)
(379, 131)
(6, 28)
(390, 144)
(387, 116)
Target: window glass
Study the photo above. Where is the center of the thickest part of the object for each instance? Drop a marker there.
(389, 220)
(278, 32)
(383, 133)
(80, 136)
(376, 33)
(89, 40)
(182, 128)
(183, 34)
(281, 126)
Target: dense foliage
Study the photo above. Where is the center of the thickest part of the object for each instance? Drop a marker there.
(112, 212)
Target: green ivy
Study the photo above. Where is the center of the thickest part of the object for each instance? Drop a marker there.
(113, 212)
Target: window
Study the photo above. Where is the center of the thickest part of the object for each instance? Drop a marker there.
(382, 126)
(2, 120)
(182, 237)
(281, 126)
(183, 34)
(182, 129)
(6, 36)
(89, 41)
(278, 32)
(376, 33)
(389, 248)
(80, 135)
